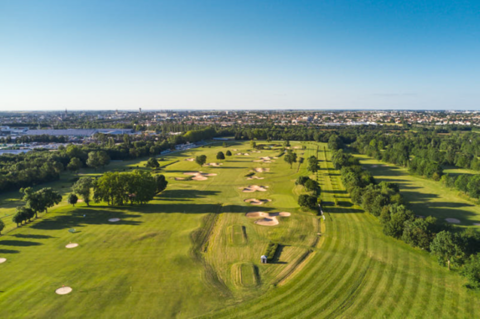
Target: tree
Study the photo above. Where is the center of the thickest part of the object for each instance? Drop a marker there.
(2, 226)
(220, 156)
(307, 201)
(228, 153)
(74, 165)
(471, 270)
(335, 143)
(72, 199)
(153, 163)
(253, 144)
(83, 188)
(98, 159)
(446, 247)
(301, 180)
(161, 183)
(26, 213)
(201, 160)
(290, 158)
(49, 197)
(311, 185)
(18, 218)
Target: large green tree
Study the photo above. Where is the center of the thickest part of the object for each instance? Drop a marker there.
(447, 248)
(83, 188)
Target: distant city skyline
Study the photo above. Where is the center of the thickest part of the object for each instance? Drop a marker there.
(245, 55)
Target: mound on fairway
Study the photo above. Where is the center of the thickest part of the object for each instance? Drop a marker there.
(245, 275)
(238, 235)
(255, 201)
(254, 188)
(71, 245)
(63, 290)
(453, 220)
(2, 260)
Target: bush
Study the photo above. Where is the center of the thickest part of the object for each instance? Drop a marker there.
(271, 250)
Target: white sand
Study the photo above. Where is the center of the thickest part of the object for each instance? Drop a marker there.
(254, 188)
(114, 220)
(268, 221)
(255, 201)
(285, 214)
(256, 214)
(63, 290)
(2, 260)
(199, 176)
(190, 159)
(453, 220)
(261, 170)
(179, 178)
(213, 164)
(72, 245)
(254, 177)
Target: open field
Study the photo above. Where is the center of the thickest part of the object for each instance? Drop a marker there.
(193, 252)
(190, 251)
(426, 196)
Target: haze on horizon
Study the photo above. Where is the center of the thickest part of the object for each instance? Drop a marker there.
(87, 55)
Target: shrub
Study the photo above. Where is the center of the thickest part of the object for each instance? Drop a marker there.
(271, 250)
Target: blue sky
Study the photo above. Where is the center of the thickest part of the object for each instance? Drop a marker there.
(239, 54)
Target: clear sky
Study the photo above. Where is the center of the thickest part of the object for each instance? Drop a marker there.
(239, 54)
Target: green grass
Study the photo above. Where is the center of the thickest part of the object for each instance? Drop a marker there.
(192, 252)
(426, 196)
(170, 258)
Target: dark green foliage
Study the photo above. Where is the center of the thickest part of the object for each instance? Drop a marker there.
(161, 183)
(301, 180)
(271, 250)
(448, 248)
(228, 153)
(83, 188)
(72, 199)
(201, 160)
(220, 156)
(153, 163)
(307, 201)
(471, 270)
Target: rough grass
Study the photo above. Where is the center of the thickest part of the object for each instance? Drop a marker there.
(427, 197)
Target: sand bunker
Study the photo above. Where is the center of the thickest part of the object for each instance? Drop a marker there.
(190, 159)
(199, 176)
(256, 214)
(63, 290)
(255, 201)
(246, 154)
(254, 177)
(268, 221)
(179, 178)
(72, 245)
(2, 260)
(261, 170)
(254, 188)
(114, 220)
(453, 220)
(266, 158)
(213, 164)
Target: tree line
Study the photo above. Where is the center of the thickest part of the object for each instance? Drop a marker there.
(383, 200)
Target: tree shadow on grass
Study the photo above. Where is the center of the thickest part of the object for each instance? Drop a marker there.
(278, 253)
(20, 243)
(32, 236)
(184, 194)
(9, 251)
(94, 215)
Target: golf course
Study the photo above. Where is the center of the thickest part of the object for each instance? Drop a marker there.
(194, 251)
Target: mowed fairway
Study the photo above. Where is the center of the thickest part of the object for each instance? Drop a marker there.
(188, 252)
(192, 252)
(426, 196)
(357, 272)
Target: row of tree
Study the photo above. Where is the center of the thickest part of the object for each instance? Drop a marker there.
(384, 201)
